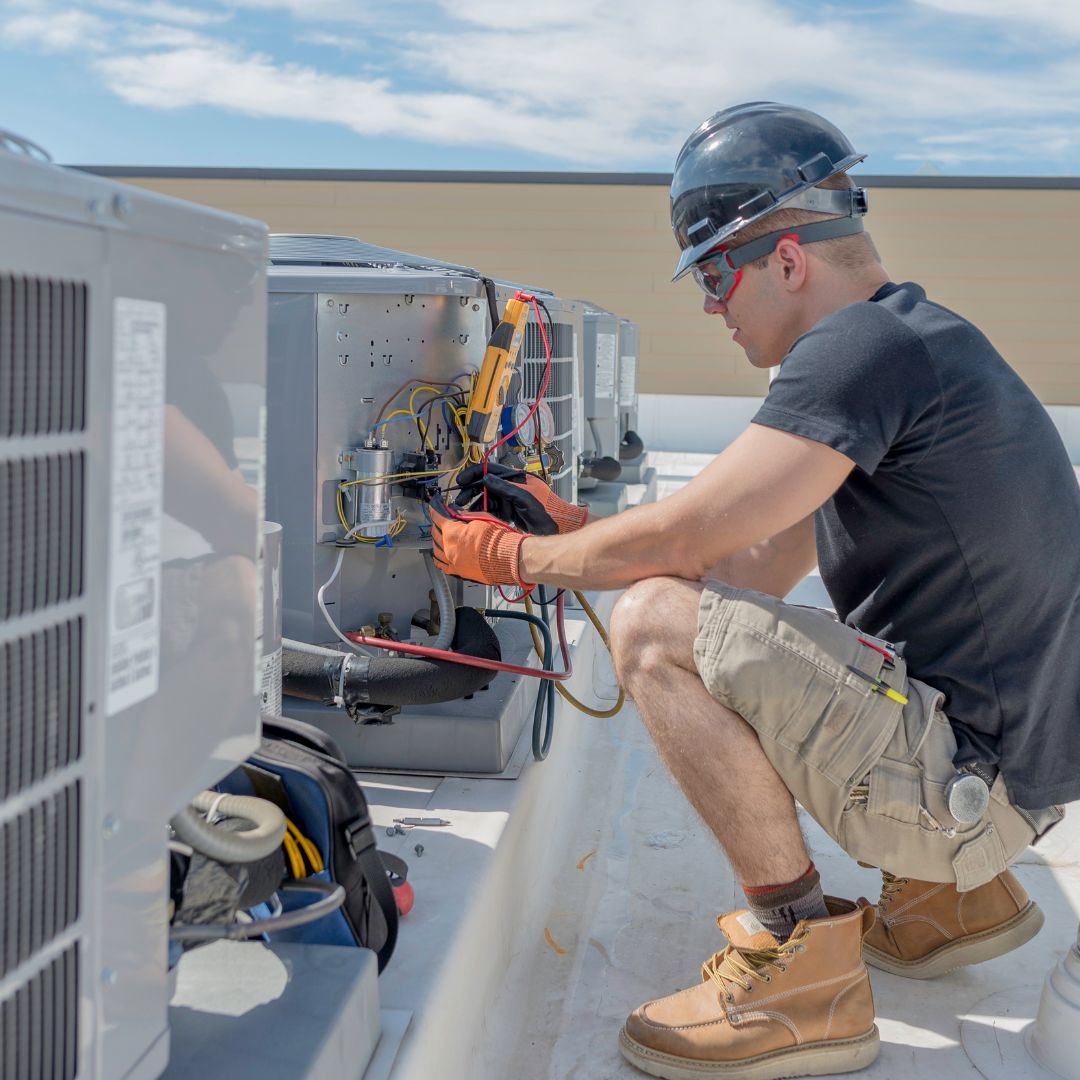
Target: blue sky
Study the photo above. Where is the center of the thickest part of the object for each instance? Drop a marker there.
(964, 87)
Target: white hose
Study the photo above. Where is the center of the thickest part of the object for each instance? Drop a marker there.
(248, 845)
(320, 598)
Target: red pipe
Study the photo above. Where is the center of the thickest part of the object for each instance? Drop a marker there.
(458, 658)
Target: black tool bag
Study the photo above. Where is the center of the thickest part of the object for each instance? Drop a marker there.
(300, 768)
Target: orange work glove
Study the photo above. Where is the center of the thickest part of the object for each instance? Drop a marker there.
(478, 547)
(519, 497)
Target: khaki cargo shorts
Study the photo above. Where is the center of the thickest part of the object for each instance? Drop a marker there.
(870, 770)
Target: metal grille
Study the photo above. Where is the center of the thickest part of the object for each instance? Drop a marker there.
(39, 877)
(40, 705)
(39, 1023)
(42, 356)
(43, 366)
(559, 393)
(41, 528)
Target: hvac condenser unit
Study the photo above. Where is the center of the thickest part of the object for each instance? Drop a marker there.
(127, 590)
(555, 431)
(629, 352)
(600, 382)
(632, 458)
(362, 341)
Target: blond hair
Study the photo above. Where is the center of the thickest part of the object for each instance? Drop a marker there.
(842, 252)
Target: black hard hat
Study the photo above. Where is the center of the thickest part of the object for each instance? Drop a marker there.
(749, 160)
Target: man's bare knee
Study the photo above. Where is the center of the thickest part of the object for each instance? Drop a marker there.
(654, 624)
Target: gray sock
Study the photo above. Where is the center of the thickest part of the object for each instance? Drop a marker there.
(780, 907)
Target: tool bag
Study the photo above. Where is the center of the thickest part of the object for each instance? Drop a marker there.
(300, 769)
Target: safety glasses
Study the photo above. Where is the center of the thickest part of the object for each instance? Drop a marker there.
(717, 278)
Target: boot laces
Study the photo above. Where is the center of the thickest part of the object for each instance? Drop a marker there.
(891, 887)
(739, 967)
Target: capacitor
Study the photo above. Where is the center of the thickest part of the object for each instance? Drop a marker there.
(371, 512)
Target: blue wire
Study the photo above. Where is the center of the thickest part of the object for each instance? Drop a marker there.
(395, 420)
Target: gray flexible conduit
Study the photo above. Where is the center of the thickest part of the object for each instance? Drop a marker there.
(333, 896)
(249, 845)
(445, 599)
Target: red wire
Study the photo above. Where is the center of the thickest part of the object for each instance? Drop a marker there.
(543, 388)
(528, 416)
(527, 590)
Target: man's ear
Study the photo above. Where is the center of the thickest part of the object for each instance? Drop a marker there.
(791, 259)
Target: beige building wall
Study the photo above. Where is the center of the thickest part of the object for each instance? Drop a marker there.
(1000, 256)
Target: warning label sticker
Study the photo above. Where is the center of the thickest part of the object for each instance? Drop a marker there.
(605, 365)
(627, 381)
(138, 460)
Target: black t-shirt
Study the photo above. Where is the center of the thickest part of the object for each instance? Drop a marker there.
(957, 535)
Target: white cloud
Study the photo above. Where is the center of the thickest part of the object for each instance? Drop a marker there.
(256, 86)
(1045, 16)
(161, 11)
(162, 36)
(342, 11)
(994, 144)
(56, 31)
(336, 41)
(589, 82)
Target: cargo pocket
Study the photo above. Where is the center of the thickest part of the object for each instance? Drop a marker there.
(784, 669)
(895, 791)
(834, 727)
(850, 734)
(979, 860)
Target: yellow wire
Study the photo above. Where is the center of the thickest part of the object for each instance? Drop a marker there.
(538, 645)
(391, 476)
(310, 851)
(408, 413)
(412, 409)
(417, 390)
(390, 416)
(396, 529)
(292, 853)
(459, 423)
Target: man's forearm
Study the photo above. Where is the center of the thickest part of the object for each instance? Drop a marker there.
(774, 566)
(610, 554)
(761, 486)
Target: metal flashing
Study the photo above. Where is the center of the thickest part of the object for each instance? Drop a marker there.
(464, 176)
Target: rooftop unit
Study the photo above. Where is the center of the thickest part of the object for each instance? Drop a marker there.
(632, 453)
(127, 591)
(559, 429)
(355, 332)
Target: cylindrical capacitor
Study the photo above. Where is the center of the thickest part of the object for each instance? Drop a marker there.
(371, 501)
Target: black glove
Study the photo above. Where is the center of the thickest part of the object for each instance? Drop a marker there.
(513, 495)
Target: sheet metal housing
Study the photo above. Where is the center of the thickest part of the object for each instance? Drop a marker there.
(87, 937)
(350, 323)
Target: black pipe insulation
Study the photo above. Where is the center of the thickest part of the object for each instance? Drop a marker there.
(631, 446)
(601, 468)
(325, 675)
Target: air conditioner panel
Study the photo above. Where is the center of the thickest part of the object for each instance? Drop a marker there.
(40, 705)
(88, 794)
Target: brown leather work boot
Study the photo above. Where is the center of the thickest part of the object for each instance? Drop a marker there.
(925, 928)
(764, 1011)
